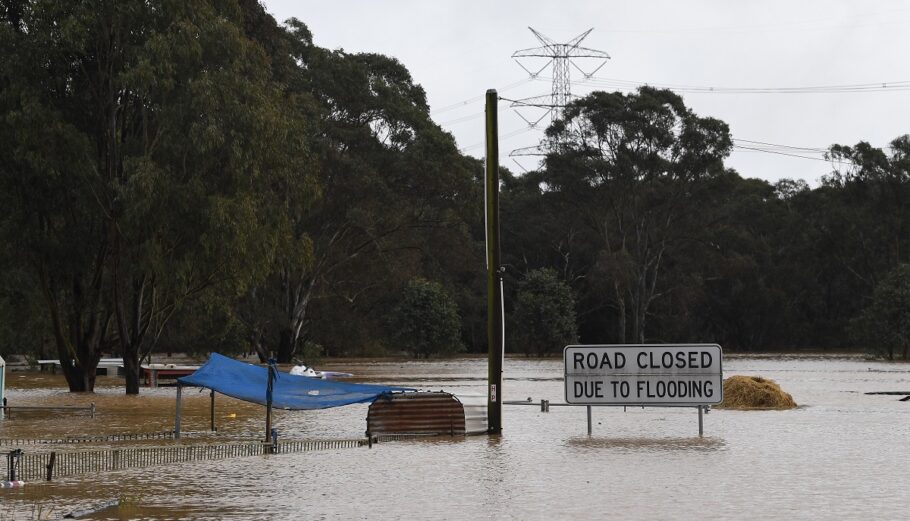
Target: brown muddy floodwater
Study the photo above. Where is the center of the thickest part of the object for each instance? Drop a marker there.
(840, 455)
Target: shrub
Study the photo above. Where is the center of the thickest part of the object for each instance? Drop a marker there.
(884, 325)
(544, 317)
(426, 321)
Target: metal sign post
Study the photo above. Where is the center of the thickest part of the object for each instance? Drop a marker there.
(701, 421)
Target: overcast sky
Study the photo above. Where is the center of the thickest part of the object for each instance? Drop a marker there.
(458, 49)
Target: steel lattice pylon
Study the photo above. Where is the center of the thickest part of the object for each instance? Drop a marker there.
(562, 56)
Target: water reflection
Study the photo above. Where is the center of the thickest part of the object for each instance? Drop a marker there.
(648, 444)
(841, 455)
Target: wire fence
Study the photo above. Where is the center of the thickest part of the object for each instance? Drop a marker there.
(161, 435)
(38, 466)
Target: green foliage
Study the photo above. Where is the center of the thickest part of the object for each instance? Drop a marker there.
(167, 134)
(884, 325)
(544, 317)
(193, 176)
(425, 322)
(631, 169)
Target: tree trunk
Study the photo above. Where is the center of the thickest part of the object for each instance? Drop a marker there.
(621, 312)
(77, 340)
(80, 377)
(637, 333)
(286, 347)
(258, 348)
(131, 370)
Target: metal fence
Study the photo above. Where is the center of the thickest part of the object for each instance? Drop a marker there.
(162, 435)
(37, 466)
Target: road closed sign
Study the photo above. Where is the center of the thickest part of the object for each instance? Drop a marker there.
(657, 375)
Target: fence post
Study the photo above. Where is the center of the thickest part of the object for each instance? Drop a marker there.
(50, 466)
(12, 459)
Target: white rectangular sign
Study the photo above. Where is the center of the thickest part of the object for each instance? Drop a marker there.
(663, 374)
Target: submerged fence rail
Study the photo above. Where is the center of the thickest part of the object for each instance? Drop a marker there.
(39, 466)
(8, 409)
(161, 435)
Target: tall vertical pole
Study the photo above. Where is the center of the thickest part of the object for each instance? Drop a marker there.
(177, 413)
(212, 409)
(495, 332)
(268, 401)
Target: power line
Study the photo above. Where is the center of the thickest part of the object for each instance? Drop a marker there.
(897, 17)
(902, 85)
(777, 152)
(475, 99)
(776, 145)
(503, 137)
(462, 119)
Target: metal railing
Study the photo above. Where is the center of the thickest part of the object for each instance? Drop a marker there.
(36, 466)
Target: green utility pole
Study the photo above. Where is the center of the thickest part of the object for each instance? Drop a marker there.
(495, 331)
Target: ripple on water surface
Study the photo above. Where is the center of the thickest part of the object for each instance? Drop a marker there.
(842, 455)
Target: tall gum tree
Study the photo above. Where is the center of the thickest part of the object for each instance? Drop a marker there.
(632, 166)
(171, 133)
(385, 172)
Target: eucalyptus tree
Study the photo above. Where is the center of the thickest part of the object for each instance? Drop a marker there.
(884, 325)
(386, 176)
(856, 230)
(633, 167)
(144, 137)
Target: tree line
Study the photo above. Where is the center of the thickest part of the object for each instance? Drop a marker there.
(193, 176)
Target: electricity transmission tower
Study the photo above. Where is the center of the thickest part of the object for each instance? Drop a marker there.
(563, 57)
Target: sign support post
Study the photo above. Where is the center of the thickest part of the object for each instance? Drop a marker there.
(590, 429)
(701, 423)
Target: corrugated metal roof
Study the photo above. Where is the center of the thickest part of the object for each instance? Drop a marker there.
(417, 413)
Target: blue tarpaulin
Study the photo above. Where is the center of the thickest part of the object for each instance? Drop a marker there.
(248, 382)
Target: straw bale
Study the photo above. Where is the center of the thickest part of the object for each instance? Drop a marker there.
(754, 393)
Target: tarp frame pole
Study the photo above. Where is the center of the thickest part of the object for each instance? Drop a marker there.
(268, 401)
(177, 416)
(212, 409)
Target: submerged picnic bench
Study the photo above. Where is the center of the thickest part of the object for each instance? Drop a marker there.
(155, 372)
(152, 373)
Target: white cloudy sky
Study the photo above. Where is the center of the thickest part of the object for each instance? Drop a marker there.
(458, 49)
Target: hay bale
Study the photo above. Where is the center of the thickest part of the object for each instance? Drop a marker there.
(754, 392)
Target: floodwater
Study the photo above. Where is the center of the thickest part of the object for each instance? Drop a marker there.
(841, 455)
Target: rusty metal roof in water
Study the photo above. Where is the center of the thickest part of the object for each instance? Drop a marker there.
(425, 413)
